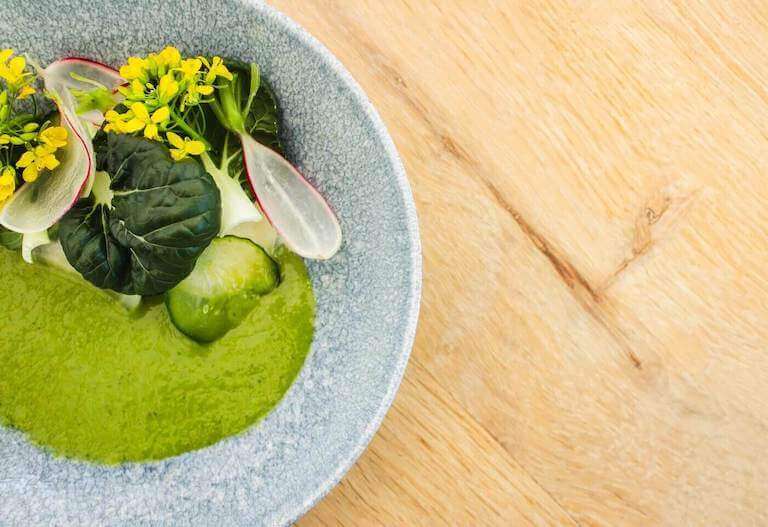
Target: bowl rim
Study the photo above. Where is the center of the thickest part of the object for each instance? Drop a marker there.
(409, 208)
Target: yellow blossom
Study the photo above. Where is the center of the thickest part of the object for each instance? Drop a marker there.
(7, 183)
(54, 136)
(25, 92)
(135, 90)
(35, 161)
(13, 73)
(126, 123)
(194, 91)
(112, 118)
(190, 67)
(169, 57)
(5, 139)
(5, 55)
(135, 68)
(184, 146)
(216, 68)
(167, 88)
(149, 123)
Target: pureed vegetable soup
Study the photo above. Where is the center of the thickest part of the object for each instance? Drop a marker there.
(149, 306)
(81, 377)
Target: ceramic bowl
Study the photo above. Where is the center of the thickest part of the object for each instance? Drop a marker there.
(368, 295)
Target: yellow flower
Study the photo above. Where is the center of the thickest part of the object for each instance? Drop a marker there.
(25, 92)
(169, 57)
(134, 69)
(194, 91)
(7, 183)
(216, 69)
(5, 139)
(54, 136)
(5, 55)
(125, 123)
(149, 123)
(35, 161)
(190, 67)
(167, 88)
(135, 90)
(112, 118)
(184, 146)
(13, 73)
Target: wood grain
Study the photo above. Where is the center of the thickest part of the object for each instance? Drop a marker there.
(590, 180)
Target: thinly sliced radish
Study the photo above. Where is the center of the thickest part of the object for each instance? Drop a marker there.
(40, 204)
(293, 206)
(59, 79)
(60, 73)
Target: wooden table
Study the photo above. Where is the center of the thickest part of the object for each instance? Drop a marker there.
(591, 184)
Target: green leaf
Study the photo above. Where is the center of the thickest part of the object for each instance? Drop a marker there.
(144, 233)
(9, 239)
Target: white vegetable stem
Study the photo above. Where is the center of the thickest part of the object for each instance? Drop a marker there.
(294, 208)
(30, 241)
(236, 207)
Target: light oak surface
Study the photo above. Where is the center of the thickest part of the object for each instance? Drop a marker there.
(591, 184)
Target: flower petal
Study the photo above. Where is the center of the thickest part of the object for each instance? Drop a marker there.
(140, 111)
(175, 140)
(161, 114)
(195, 148)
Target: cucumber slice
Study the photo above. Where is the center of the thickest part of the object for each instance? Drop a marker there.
(225, 285)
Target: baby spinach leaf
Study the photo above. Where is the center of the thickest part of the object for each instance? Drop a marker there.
(142, 231)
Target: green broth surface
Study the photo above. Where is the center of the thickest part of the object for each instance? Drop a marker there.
(80, 376)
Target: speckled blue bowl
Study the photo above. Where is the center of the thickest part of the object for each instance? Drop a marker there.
(368, 295)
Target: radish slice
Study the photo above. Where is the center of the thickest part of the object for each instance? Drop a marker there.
(40, 204)
(293, 206)
(58, 78)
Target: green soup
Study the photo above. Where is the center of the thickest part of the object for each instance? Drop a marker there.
(81, 377)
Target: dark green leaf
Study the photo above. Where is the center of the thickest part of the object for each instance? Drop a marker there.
(162, 215)
(9, 239)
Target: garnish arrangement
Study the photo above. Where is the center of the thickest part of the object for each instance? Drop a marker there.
(167, 305)
(163, 179)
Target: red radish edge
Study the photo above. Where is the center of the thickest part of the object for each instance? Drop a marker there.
(88, 61)
(89, 173)
(256, 194)
(63, 115)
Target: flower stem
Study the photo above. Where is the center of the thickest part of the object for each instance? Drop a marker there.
(191, 132)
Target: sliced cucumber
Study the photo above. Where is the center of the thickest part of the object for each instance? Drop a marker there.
(225, 285)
